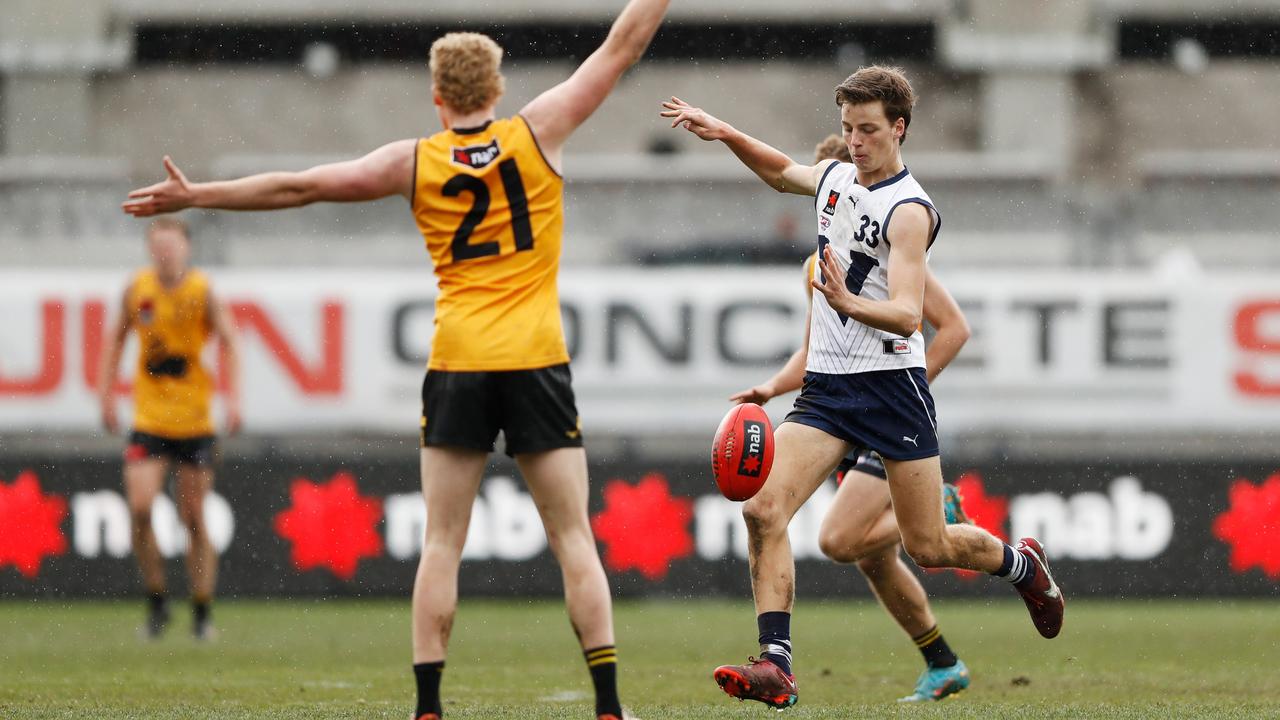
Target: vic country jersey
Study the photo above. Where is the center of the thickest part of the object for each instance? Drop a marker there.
(491, 210)
(854, 222)
(172, 390)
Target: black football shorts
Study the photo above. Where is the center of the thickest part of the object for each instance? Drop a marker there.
(534, 409)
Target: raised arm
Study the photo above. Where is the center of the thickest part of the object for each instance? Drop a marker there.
(770, 164)
(383, 172)
(556, 113)
(109, 369)
(952, 329)
(901, 313)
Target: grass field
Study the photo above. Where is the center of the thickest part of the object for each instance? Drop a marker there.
(320, 660)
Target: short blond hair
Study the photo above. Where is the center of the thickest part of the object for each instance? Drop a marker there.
(832, 148)
(466, 71)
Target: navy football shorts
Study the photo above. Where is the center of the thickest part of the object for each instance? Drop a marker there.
(887, 411)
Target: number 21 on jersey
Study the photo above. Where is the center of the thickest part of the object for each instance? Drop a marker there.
(517, 201)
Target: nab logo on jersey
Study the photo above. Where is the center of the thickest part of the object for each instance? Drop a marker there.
(477, 156)
(832, 200)
(146, 311)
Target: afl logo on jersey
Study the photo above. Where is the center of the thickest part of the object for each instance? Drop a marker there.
(832, 200)
(146, 311)
(476, 156)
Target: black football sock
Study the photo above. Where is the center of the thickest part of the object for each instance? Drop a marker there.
(934, 648)
(603, 664)
(157, 602)
(427, 676)
(775, 638)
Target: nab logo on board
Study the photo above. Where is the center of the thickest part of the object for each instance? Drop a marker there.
(477, 156)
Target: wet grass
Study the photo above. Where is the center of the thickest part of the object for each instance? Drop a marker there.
(518, 659)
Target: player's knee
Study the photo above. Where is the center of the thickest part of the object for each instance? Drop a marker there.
(837, 545)
(763, 517)
(140, 516)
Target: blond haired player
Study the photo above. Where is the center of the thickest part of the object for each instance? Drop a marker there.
(860, 526)
(865, 384)
(173, 311)
(488, 197)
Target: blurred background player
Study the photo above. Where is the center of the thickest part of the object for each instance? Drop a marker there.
(487, 194)
(865, 384)
(173, 310)
(860, 526)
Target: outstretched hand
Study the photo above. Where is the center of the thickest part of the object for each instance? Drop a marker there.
(832, 286)
(760, 394)
(170, 195)
(695, 120)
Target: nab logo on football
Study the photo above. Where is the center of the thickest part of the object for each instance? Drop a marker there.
(832, 200)
(752, 454)
(477, 156)
(742, 451)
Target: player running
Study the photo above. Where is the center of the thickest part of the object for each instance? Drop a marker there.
(860, 526)
(173, 310)
(488, 198)
(865, 385)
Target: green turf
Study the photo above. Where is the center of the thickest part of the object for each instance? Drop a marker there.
(292, 659)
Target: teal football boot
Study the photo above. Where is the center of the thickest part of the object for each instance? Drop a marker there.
(937, 683)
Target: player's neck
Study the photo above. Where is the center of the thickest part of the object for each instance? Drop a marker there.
(882, 173)
(471, 120)
(172, 279)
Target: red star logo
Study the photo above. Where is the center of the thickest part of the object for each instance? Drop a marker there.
(1252, 526)
(330, 525)
(643, 527)
(989, 512)
(751, 464)
(30, 524)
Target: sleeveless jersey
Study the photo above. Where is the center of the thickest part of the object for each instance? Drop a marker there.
(172, 389)
(853, 220)
(491, 210)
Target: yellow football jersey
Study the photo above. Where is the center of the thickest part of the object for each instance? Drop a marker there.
(491, 210)
(172, 390)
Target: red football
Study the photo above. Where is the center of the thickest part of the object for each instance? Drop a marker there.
(742, 451)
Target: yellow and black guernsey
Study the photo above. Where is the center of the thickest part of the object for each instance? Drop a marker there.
(491, 210)
(172, 390)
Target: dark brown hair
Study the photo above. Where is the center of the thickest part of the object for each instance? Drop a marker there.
(889, 85)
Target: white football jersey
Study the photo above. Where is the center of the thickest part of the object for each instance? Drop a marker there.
(853, 220)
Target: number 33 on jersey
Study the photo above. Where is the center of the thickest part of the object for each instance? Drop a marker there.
(491, 210)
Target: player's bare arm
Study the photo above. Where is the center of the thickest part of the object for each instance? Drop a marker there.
(771, 165)
(229, 347)
(902, 312)
(109, 369)
(384, 172)
(556, 113)
(948, 321)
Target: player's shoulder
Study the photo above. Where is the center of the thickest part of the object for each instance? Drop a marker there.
(833, 173)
